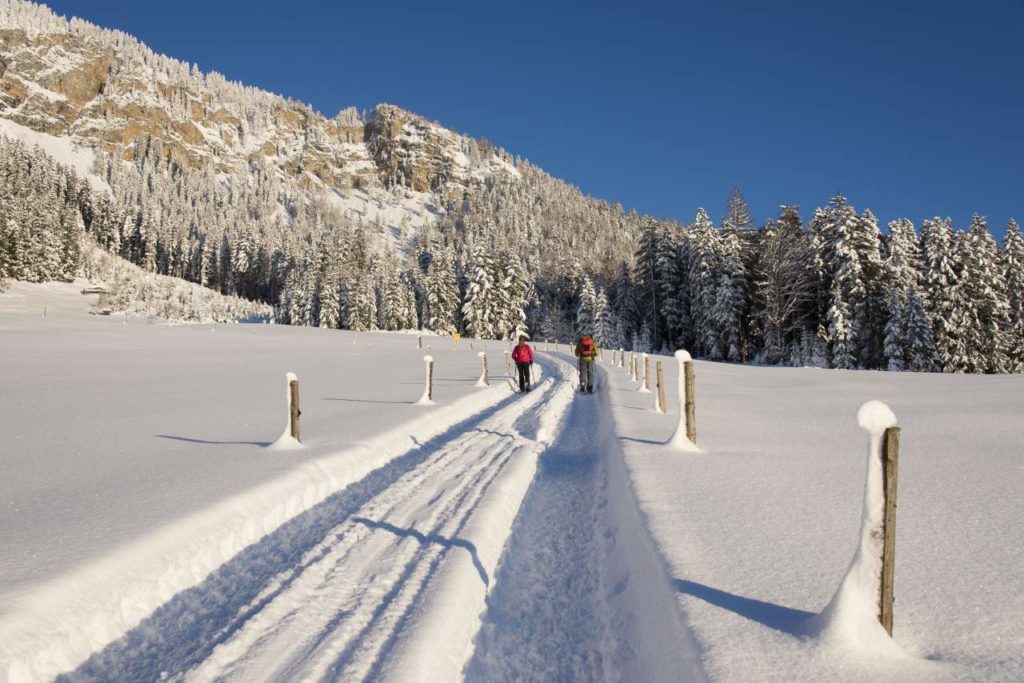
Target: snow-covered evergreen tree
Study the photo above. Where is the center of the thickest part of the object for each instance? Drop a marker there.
(672, 251)
(725, 317)
(940, 280)
(903, 257)
(919, 349)
(1012, 263)
(868, 243)
(330, 306)
(480, 311)
(896, 333)
(739, 240)
(647, 275)
(517, 291)
(604, 323)
(839, 228)
(586, 310)
(361, 310)
(442, 295)
(983, 290)
(643, 342)
(841, 334)
(704, 272)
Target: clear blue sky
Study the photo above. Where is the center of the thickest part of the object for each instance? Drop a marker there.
(909, 108)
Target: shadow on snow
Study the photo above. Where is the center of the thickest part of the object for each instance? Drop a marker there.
(784, 619)
(185, 630)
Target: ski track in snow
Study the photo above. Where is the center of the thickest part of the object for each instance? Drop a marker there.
(335, 593)
(545, 620)
(580, 593)
(325, 596)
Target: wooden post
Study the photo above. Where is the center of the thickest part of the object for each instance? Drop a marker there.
(645, 385)
(428, 391)
(419, 342)
(508, 365)
(661, 387)
(890, 468)
(632, 365)
(691, 407)
(293, 407)
(483, 381)
(545, 345)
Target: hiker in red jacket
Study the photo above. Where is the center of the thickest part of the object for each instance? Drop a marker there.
(522, 354)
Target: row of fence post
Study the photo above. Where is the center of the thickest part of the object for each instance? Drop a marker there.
(889, 454)
(889, 446)
(427, 398)
(688, 403)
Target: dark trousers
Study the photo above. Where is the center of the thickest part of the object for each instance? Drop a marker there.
(524, 376)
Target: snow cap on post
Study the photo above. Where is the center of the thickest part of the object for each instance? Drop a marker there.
(852, 616)
(875, 417)
(427, 399)
(482, 382)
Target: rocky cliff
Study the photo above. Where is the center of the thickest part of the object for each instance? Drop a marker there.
(105, 90)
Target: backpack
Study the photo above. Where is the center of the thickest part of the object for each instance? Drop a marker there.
(586, 347)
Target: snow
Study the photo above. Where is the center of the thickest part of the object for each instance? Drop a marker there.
(40, 91)
(148, 531)
(580, 595)
(157, 473)
(851, 617)
(644, 369)
(482, 382)
(401, 212)
(286, 441)
(63, 150)
(757, 532)
(680, 441)
(425, 399)
(875, 417)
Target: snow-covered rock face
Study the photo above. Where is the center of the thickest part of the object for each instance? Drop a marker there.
(107, 90)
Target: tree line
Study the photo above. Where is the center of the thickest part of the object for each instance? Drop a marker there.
(532, 253)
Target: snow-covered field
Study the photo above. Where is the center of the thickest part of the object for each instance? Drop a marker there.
(150, 528)
(759, 528)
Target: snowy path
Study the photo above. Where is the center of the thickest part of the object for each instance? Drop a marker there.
(389, 578)
(332, 594)
(580, 594)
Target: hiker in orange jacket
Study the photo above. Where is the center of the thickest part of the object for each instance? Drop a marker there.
(586, 351)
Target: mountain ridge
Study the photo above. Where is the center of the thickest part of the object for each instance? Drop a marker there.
(107, 90)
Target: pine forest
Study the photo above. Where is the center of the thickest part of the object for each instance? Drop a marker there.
(506, 247)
